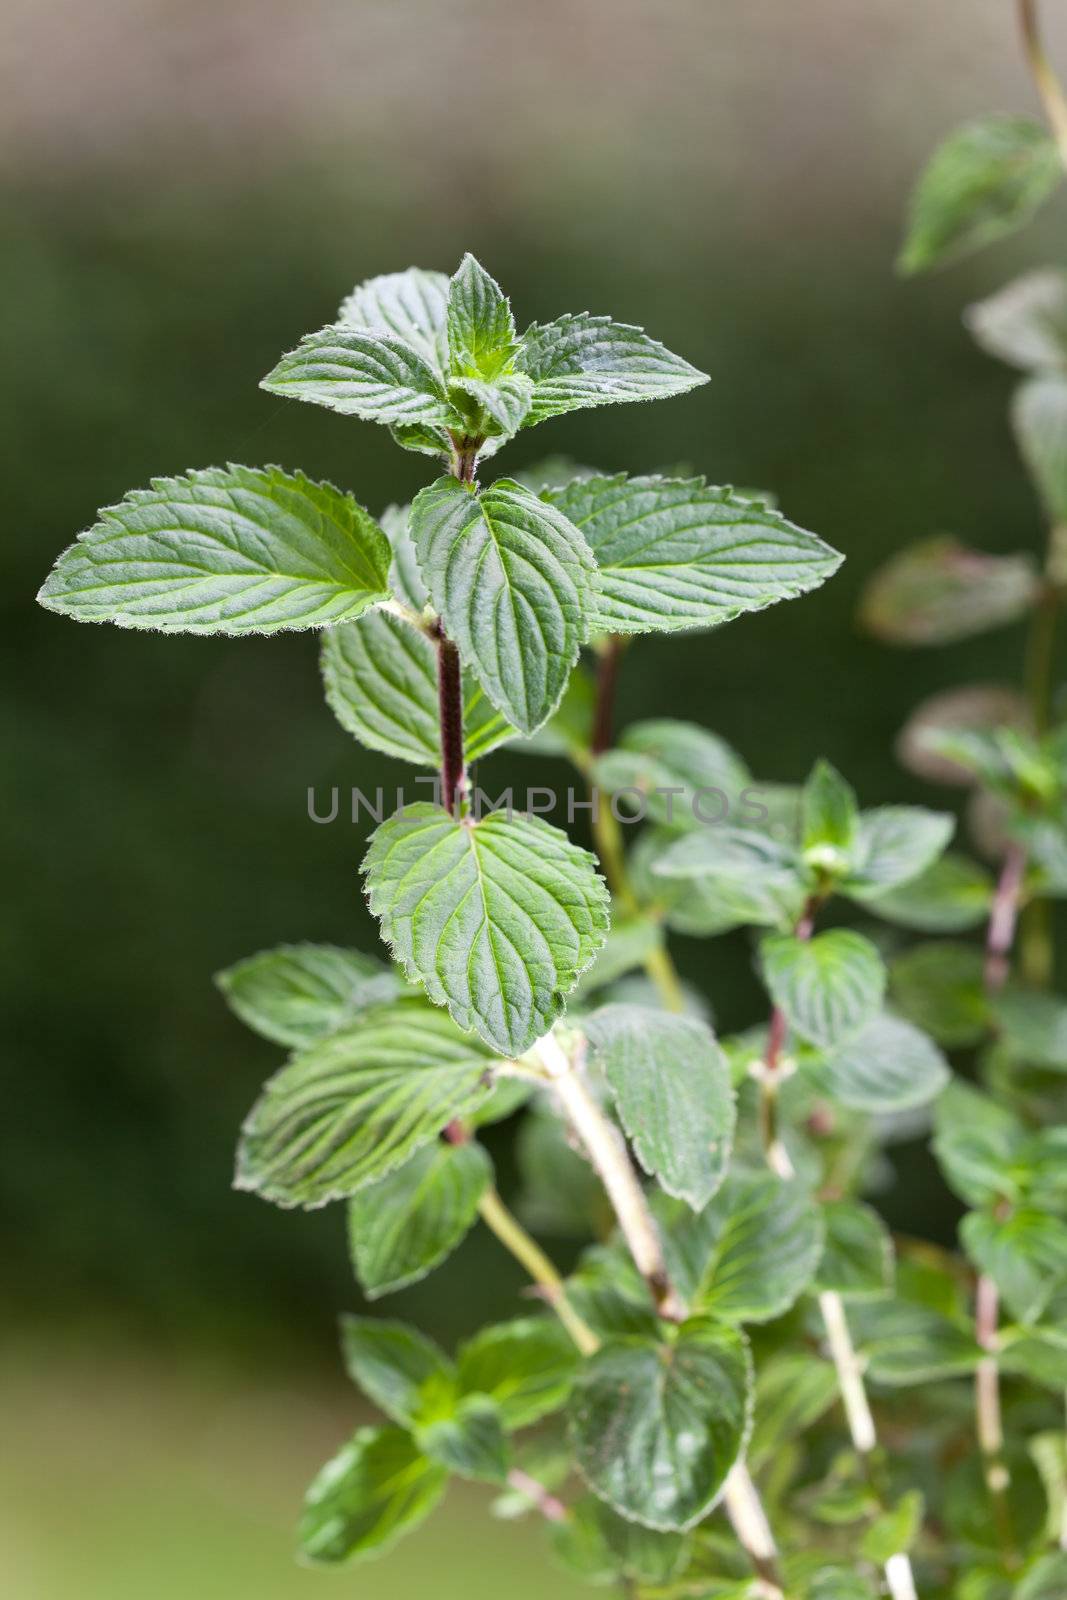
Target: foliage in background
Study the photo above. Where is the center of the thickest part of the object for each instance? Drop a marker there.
(703, 1341)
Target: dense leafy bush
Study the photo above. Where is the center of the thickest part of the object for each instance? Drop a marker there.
(745, 1386)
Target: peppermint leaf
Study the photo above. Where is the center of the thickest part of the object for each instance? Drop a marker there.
(468, 1437)
(496, 918)
(406, 1223)
(685, 776)
(940, 591)
(380, 676)
(512, 581)
(376, 376)
(751, 1252)
(678, 554)
(481, 330)
(378, 1487)
(526, 1367)
(1024, 1254)
(889, 1065)
(591, 361)
(829, 986)
(1026, 322)
(893, 845)
(410, 305)
(395, 1366)
(857, 1260)
(951, 895)
(358, 1104)
(1039, 417)
(299, 993)
(671, 1084)
(224, 550)
(657, 1427)
(985, 181)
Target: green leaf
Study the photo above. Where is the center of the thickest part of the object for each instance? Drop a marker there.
(751, 1252)
(857, 1261)
(657, 1427)
(496, 918)
(526, 1367)
(1046, 1579)
(360, 373)
(985, 181)
(380, 676)
(908, 1344)
(839, 1583)
(468, 1438)
(404, 1225)
(602, 1548)
(828, 987)
(676, 553)
(894, 844)
(1025, 323)
(890, 1065)
(940, 591)
(410, 305)
(828, 818)
(1039, 417)
(499, 407)
(1038, 1354)
(569, 729)
(358, 1104)
(975, 706)
(224, 550)
(591, 361)
(631, 940)
(793, 1390)
(671, 1084)
(512, 581)
(395, 1366)
(685, 776)
(977, 1142)
(951, 895)
(481, 330)
(1034, 1025)
(755, 878)
(378, 1487)
(1024, 1254)
(894, 1531)
(939, 986)
(298, 993)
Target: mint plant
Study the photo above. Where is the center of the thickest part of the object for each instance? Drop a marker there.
(743, 1387)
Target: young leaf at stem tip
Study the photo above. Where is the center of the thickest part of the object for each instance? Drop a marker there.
(377, 1488)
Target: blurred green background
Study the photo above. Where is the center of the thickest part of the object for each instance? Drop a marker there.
(189, 185)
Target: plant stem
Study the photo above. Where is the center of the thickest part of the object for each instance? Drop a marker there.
(604, 1145)
(607, 1151)
(860, 1419)
(987, 1408)
(1000, 936)
(1047, 84)
(1003, 916)
(532, 1259)
(607, 836)
(450, 714)
(607, 678)
(550, 1508)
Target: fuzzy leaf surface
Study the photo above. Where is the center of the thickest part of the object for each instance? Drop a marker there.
(513, 581)
(224, 550)
(351, 1108)
(496, 918)
(363, 373)
(671, 1084)
(657, 1427)
(584, 360)
(406, 1223)
(677, 553)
